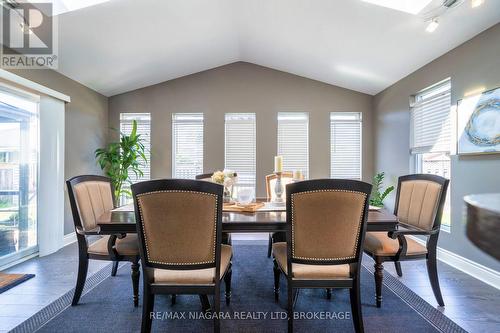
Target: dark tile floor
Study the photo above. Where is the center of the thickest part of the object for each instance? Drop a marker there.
(469, 302)
(55, 275)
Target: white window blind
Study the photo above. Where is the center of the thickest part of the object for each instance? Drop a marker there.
(144, 129)
(293, 141)
(187, 145)
(345, 145)
(240, 146)
(430, 119)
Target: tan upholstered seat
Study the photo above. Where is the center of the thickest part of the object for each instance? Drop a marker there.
(380, 244)
(196, 276)
(93, 198)
(309, 272)
(418, 202)
(125, 246)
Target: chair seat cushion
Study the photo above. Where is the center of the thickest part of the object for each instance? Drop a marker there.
(195, 276)
(127, 246)
(309, 272)
(380, 244)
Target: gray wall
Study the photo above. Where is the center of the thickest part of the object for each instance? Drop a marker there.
(244, 87)
(86, 121)
(474, 64)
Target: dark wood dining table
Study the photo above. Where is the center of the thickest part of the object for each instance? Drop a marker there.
(122, 221)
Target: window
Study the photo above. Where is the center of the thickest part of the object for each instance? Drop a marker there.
(293, 141)
(187, 145)
(431, 135)
(19, 166)
(144, 130)
(345, 145)
(240, 146)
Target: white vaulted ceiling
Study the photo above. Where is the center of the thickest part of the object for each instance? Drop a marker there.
(122, 45)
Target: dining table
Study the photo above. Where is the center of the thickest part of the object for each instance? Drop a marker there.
(270, 218)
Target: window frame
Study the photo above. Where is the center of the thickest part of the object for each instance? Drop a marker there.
(252, 121)
(358, 120)
(305, 171)
(416, 157)
(174, 132)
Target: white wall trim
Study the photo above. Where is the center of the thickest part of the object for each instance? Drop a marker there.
(478, 271)
(18, 261)
(69, 238)
(11, 77)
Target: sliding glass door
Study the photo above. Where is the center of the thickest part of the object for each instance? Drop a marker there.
(18, 175)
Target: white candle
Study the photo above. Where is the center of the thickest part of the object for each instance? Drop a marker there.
(278, 163)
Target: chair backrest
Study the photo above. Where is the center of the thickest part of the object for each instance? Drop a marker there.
(178, 223)
(204, 176)
(327, 220)
(420, 199)
(286, 178)
(90, 196)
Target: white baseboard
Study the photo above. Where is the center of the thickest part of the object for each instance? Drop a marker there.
(18, 261)
(478, 271)
(69, 238)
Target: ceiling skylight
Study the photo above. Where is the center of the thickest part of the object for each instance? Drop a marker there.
(64, 6)
(408, 6)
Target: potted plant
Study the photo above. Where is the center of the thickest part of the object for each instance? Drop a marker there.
(378, 194)
(121, 159)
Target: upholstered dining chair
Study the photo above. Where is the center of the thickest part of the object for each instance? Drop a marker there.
(286, 178)
(90, 196)
(419, 206)
(326, 222)
(179, 228)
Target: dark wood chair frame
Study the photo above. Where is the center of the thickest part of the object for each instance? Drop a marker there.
(150, 289)
(353, 282)
(431, 244)
(81, 236)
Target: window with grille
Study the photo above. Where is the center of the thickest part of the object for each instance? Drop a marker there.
(345, 145)
(187, 145)
(293, 141)
(240, 154)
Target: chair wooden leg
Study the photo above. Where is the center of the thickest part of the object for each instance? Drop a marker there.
(173, 299)
(295, 297)
(217, 308)
(114, 268)
(227, 280)
(290, 307)
(379, 276)
(329, 293)
(148, 301)
(397, 264)
(277, 274)
(135, 281)
(270, 246)
(205, 303)
(83, 265)
(433, 277)
(357, 317)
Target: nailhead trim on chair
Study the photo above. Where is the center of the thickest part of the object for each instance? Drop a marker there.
(358, 231)
(144, 232)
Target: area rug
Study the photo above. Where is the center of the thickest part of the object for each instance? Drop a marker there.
(109, 305)
(8, 281)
